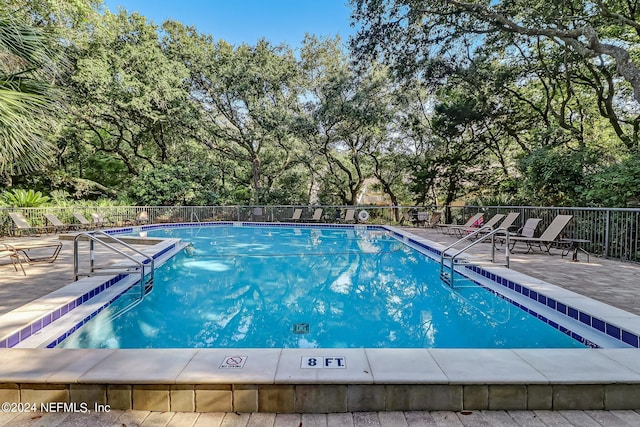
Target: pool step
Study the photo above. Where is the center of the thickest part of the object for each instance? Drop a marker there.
(109, 271)
(445, 275)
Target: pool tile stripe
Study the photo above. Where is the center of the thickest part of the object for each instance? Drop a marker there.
(59, 312)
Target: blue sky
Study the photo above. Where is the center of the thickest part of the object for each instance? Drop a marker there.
(238, 21)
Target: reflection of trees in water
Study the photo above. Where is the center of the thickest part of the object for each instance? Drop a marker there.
(353, 293)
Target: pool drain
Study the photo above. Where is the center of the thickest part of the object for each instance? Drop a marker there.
(301, 328)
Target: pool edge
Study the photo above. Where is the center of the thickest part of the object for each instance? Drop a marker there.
(374, 379)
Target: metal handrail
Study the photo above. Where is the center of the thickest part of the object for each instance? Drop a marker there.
(130, 247)
(193, 213)
(91, 236)
(490, 232)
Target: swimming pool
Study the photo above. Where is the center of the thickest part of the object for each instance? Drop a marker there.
(320, 287)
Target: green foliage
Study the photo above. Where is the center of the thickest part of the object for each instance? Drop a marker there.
(458, 108)
(60, 198)
(554, 176)
(18, 198)
(26, 96)
(616, 186)
(169, 185)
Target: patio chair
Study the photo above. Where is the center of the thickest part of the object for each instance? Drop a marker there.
(8, 251)
(422, 218)
(99, 221)
(22, 225)
(450, 228)
(297, 213)
(350, 215)
(317, 215)
(529, 228)
(84, 222)
(24, 248)
(547, 238)
(493, 221)
(257, 214)
(57, 224)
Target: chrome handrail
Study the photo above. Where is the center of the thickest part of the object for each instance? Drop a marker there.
(490, 232)
(91, 236)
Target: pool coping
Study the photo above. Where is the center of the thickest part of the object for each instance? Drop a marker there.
(279, 378)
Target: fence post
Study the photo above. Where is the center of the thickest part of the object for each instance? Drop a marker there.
(606, 233)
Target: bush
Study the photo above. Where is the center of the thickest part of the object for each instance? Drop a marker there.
(18, 198)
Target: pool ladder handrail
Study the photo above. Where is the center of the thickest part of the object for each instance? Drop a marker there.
(481, 234)
(193, 213)
(125, 269)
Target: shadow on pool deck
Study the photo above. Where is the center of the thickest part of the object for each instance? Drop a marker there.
(610, 281)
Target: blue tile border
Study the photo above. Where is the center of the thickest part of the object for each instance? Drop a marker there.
(17, 337)
(593, 322)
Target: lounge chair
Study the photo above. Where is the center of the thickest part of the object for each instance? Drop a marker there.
(143, 217)
(297, 213)
(317, 215)
(22, 225)
(8, 251)
(435, 219)
(59, 225)
(450, 228)
(84, 222)
(493, 221)
(422, 218)
(548, 237)
(509, 220)
(99, 221)
(24, 248)
(350, 215)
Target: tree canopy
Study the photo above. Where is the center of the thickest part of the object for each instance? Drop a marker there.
(493, 102)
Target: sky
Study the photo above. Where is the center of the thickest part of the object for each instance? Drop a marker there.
(247, 21)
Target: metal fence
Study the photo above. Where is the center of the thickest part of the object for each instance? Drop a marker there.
(611, 232)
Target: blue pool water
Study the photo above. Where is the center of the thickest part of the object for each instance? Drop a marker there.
(246, 287)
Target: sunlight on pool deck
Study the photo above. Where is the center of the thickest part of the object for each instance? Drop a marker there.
(377, 379)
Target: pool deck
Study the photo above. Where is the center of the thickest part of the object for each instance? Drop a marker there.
(611, 282)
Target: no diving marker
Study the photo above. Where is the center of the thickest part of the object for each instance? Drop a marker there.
(233, 362)
(323, 362)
